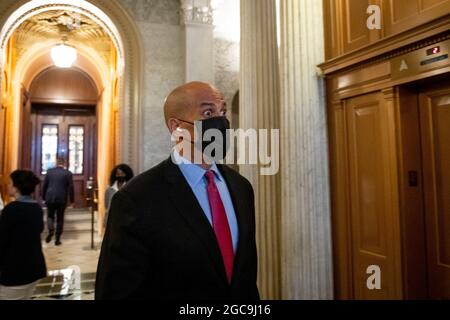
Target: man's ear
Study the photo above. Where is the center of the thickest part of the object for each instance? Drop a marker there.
(173, 124)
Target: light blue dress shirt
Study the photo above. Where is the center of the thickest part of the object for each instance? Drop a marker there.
(195, 176)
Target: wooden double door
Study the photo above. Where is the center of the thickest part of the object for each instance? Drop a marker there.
(67, 132)
(396, 178)
(434, 111)
(425, 188)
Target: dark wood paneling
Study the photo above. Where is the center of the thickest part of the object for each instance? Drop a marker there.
(355, 33)
(400, 10)
(56, 85)
(373, 221)
(411, 194)
(342, 250)
(402, 15)
(332, 27)
(2, 148)
(345, 22)
(3, 127)
(375, 143)
(25, 131)
(65, 116)
(435, 128)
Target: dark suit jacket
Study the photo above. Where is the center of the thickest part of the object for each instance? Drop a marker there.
(160, 245)
(21, 258)
(58, 186)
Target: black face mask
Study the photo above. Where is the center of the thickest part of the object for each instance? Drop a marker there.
(121, 179)
(222, 124)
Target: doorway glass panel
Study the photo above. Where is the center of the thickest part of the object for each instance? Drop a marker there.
(49, 146)
(76, 149)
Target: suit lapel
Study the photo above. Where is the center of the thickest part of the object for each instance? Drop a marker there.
(188, 207)
(240, 207)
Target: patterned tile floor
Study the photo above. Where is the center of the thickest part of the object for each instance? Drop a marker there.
(71, 268)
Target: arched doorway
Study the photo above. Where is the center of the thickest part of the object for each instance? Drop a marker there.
(118, 100)
(60, 121)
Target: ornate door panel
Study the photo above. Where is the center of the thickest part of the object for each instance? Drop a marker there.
(374, 224)
(69, 133)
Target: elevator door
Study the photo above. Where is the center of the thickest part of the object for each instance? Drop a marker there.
(66, 132)
(435, 131)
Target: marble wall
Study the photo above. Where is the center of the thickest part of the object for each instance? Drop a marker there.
(163, 39)
(162, 36)
(154, 11)
(164, 71)
(226, 73)
(227, 47)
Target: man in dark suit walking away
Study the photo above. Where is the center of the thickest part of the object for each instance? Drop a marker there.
(57, 190)
(183, 229)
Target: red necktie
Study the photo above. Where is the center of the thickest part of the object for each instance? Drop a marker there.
(220, 224)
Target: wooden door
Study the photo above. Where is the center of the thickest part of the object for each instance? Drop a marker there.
(68, 132)
(435, 132)
(374, 226)
(3, 174)
(414, 265)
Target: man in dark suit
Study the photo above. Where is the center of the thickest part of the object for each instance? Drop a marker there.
(57, 190)
(182, 230)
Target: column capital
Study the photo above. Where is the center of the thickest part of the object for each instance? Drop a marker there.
(198, 12)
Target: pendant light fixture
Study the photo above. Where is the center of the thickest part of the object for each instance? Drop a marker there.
(63, 55)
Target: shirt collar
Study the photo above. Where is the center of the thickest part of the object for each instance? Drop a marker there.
(115, 186)
(27, 199)
(192, 172)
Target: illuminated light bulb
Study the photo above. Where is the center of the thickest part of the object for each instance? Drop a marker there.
(63, 56)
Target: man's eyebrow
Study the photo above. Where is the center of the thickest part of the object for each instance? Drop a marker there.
(207, 104)
(212, 104)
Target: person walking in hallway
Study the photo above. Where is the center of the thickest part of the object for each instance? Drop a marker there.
(182, 230)
(119, 177)
(22, 262)
(57, 191)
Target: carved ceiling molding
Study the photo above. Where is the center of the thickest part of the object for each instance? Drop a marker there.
(46, 25)
(68, 7)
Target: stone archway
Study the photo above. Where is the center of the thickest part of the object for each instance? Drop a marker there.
(111, 15)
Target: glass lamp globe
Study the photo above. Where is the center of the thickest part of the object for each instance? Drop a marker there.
(63, 56)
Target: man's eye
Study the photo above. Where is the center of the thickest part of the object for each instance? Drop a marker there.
(224, 112)
(207, 113)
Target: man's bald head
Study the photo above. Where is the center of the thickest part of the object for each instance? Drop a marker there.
(185, 101)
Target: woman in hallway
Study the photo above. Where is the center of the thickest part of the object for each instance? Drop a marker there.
(22, 263)
(120, 175)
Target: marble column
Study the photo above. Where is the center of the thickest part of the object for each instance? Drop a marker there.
(259, 109)
(197, 22)
(306, 257)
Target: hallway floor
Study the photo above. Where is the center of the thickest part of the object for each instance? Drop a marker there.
(71, 266)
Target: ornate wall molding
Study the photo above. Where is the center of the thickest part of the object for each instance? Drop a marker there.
(196, 12)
